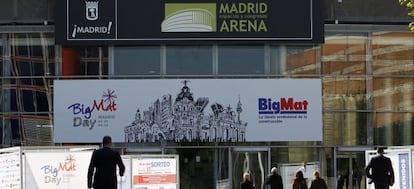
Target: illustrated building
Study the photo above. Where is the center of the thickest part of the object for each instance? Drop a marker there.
(186, 120)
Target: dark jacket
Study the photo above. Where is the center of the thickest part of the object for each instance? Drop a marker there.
(103, 168)
(246, 185)
(381, 170)
(299, 184)
(340, 182)
(318, 183)
(275, 181)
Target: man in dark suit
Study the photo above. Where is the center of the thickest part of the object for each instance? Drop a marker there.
(103, 166)
(274, 179)
(380, 171)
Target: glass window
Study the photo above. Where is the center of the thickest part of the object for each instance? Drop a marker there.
(276, 61)
(26, 96)
(189, 60)
(393, 94)
(49, 49)
(301, 60)
(137, 60)
(1, 56)
(345, 128)
(344, 54)
(241, 60)
(198, 167)
(393, 128)
(1, 74)
(29, 52)
(89, 67)
(36, 131)
(393, 53)
(344, 93)
(93, 61)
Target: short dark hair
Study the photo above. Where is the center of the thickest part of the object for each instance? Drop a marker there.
(106, 140)
(380, 150)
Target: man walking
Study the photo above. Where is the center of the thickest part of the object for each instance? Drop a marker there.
(274, 179)
(380, 171)
(102, 166)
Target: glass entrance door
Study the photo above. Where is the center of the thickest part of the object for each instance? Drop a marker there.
(350, 168)
(252, 160)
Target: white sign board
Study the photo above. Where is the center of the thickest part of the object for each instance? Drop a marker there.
(56, 169)
(401, 163)
(213, 110)
(10, 173)
(155, 173)
(124, 182)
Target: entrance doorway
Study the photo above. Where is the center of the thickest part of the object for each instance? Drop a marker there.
(252, 160)
(351, 168)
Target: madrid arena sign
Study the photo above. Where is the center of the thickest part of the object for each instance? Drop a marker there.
(128, 22)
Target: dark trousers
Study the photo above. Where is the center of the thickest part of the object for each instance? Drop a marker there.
(381, 186)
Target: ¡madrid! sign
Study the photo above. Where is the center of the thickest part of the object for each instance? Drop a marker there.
(109, 22)
(203, 110)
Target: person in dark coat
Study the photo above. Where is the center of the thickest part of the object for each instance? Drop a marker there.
(356, 178)
(102, 166)
(318, 182)
(340, 181)
(246, 184)
(274, 179)
(380, 170)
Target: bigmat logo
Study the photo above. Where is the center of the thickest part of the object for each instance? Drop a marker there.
(270, 109)
(61, 173)
(83, 112)
(283, 106)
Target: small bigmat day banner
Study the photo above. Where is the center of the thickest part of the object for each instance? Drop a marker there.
(203, 110)
(53, 169)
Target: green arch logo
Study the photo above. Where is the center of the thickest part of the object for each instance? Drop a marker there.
(189, 17)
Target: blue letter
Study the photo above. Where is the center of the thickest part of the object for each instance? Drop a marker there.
(262, 104)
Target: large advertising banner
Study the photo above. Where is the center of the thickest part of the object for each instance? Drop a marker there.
(155, 173)
(56, 169)
(401, 163)
(161, 21)
(209, 110)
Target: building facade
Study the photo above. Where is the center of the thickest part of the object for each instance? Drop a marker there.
(365, 63)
